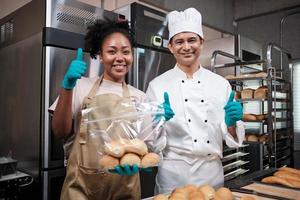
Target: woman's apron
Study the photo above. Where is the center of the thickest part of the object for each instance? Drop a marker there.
(83, 180)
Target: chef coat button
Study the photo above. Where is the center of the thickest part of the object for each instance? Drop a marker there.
(205, 121)
(208, 154)
(182, 81)
(189, 120)
(198, 81)
(186, 100)
(207, 141)
(195, 140)
(202, 100)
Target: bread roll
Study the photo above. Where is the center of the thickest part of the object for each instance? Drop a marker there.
(150, 160)
(277, 180)
(261, 93)
(248, 117)
(196, 195)
(261, 117)
(225, 193)
(247, 93)
(160, 197)
(108, 162)
(252, 138)
(130, 159)
(179, 193)
(208, 191)
(114, 148)
(263, 138)
(136, 146)
(291, 170)
(190, 188)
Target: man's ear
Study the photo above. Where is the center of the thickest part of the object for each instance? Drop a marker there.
(170, 48)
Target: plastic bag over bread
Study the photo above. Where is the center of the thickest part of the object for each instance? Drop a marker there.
(123, 136)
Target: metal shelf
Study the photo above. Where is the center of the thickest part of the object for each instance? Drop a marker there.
(233, 156)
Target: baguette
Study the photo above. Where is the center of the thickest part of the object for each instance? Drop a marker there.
(296, 184)
(291, 170)
(287, 175)
(275, 179)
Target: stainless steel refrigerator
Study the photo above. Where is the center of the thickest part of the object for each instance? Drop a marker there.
(37, 43)
(151, 55)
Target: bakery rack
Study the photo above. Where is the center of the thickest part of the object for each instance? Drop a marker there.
(277, 127)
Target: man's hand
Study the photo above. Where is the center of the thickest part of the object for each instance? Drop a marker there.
(233, 111)
(76, 70)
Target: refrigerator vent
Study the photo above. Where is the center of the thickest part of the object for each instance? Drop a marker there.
(7, 30)
(75, 16)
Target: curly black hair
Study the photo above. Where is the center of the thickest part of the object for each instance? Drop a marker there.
(100, 30)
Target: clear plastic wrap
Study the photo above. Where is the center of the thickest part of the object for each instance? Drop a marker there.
(131, 133)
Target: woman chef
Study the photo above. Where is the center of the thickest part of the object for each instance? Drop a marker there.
(205, 113)
(112, 41)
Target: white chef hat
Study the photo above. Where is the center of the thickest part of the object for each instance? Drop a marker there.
(189, 20)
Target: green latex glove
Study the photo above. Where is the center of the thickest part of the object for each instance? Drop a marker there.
(233, 111)
(76, 70)
(125, 170)
(168, 112)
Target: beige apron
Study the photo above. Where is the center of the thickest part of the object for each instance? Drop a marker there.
(83, 180)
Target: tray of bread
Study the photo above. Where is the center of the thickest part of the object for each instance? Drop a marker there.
(204, 192)
(283, 177)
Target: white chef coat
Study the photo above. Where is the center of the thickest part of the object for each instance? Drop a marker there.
(195, 134)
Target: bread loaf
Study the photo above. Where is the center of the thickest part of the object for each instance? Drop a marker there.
(252, 138)
(287, 175)
(263, 138)
(130, 159)
(248, 117)
(225, 193)
(208, 191)
(261, 93)
(291, 170)
(277, 180)
(190, 188)
(196, 195)
(136, 146)
(150, 160)
(160, 197)
(261, 117)
(108, 162)
(114, 148)
(247, 93)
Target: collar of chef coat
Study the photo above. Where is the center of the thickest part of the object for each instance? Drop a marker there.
(182, 75)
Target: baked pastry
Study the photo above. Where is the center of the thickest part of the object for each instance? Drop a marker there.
(108, 162)
(160, 197)
(130, 159)
(190, 188)
(225, 193)
(261, 117)
(261, 74)
(275, 179)
(252, 138)
(287, 175)
(261, 93)
(263, 138)
(291, 170)
(114, 148)
(248, 117)
(150, 160)
(247, 93)
(136, 146)
(179, 193)
(208, 191)
(196, 195)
